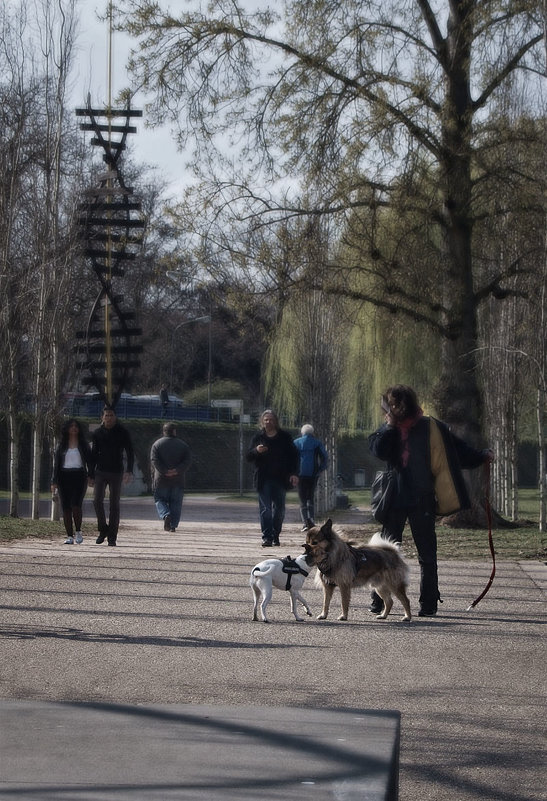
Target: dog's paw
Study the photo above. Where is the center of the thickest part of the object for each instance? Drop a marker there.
(381, 616)
(342, 617)
(406, 619)
(321, 616)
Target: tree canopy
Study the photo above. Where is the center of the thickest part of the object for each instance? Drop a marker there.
(346, 109)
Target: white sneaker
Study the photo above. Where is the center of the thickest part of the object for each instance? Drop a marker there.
(78, 538)
(69, 541)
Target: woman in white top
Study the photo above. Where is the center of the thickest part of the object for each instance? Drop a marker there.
(70, 476)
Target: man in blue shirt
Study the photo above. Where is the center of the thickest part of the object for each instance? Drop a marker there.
(313, 460)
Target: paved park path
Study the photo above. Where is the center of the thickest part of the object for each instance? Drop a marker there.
(166, 619)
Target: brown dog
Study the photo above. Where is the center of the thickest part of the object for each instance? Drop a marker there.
(340, 564)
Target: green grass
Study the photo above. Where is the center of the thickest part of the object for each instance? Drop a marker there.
(19, 528)
(523, 541)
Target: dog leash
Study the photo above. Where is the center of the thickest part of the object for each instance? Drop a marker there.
(488, 508)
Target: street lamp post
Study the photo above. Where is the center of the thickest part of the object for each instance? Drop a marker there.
(206, 318)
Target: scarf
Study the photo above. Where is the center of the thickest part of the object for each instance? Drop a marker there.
(404, 428)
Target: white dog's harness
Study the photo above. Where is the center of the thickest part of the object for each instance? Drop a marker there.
(291, 568)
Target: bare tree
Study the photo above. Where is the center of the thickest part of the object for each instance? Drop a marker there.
(53, 230)
(36, 225)
(19, 100)
(386, 104)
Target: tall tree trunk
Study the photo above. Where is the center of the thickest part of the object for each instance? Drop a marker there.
(39, 388)
(14, 431)
(542, 467)
(458, 395)
(542, 399)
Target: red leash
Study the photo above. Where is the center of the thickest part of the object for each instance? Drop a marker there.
(490, 539)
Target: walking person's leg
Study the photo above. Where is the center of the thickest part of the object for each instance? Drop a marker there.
(161, 499)
(422, 525)
(78, 492)
(64, 498)
(305, 494)
(175, 506)
(115, 491)
(265, 512)
(392, 530)
(311, 485)
(99, 490)
(278, 510)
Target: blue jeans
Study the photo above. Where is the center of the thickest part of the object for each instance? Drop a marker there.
(168, 501)
(271, 506)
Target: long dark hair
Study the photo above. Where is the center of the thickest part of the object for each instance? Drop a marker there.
(65, 434)
(402, 401)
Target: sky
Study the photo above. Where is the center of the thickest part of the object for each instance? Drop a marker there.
(154, 147)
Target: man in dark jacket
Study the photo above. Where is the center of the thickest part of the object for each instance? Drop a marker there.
(109, 443)
(276, 460)
(428, 460)
(170, 457)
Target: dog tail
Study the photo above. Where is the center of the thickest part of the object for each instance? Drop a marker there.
(257, 572)
(378, 541)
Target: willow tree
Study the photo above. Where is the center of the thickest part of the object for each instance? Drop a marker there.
(367, 99)
(307, 358)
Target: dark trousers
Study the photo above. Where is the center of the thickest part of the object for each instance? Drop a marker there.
(421, 519)
(271, 505)
(306, 494)
(114, 483)
(72, 487)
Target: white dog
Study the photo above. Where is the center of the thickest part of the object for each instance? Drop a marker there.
(285, 574)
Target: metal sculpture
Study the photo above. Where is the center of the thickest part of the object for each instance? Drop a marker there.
(112, 226)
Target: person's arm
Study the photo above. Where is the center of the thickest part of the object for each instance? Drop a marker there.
(92, 459)
(252, 453)
(155, 458)
(184, 461)
(470, 457)
(384, 443)
(129, 452)
(85, 453)
(293, 460)
(323, 458)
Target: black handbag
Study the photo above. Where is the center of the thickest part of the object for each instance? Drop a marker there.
(382, 494)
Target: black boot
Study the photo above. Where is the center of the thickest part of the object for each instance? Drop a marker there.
(376, 605)
(103, 534)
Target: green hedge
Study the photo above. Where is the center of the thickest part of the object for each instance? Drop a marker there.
(215, 455)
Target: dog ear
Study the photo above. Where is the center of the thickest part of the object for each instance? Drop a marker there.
(326, 529)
